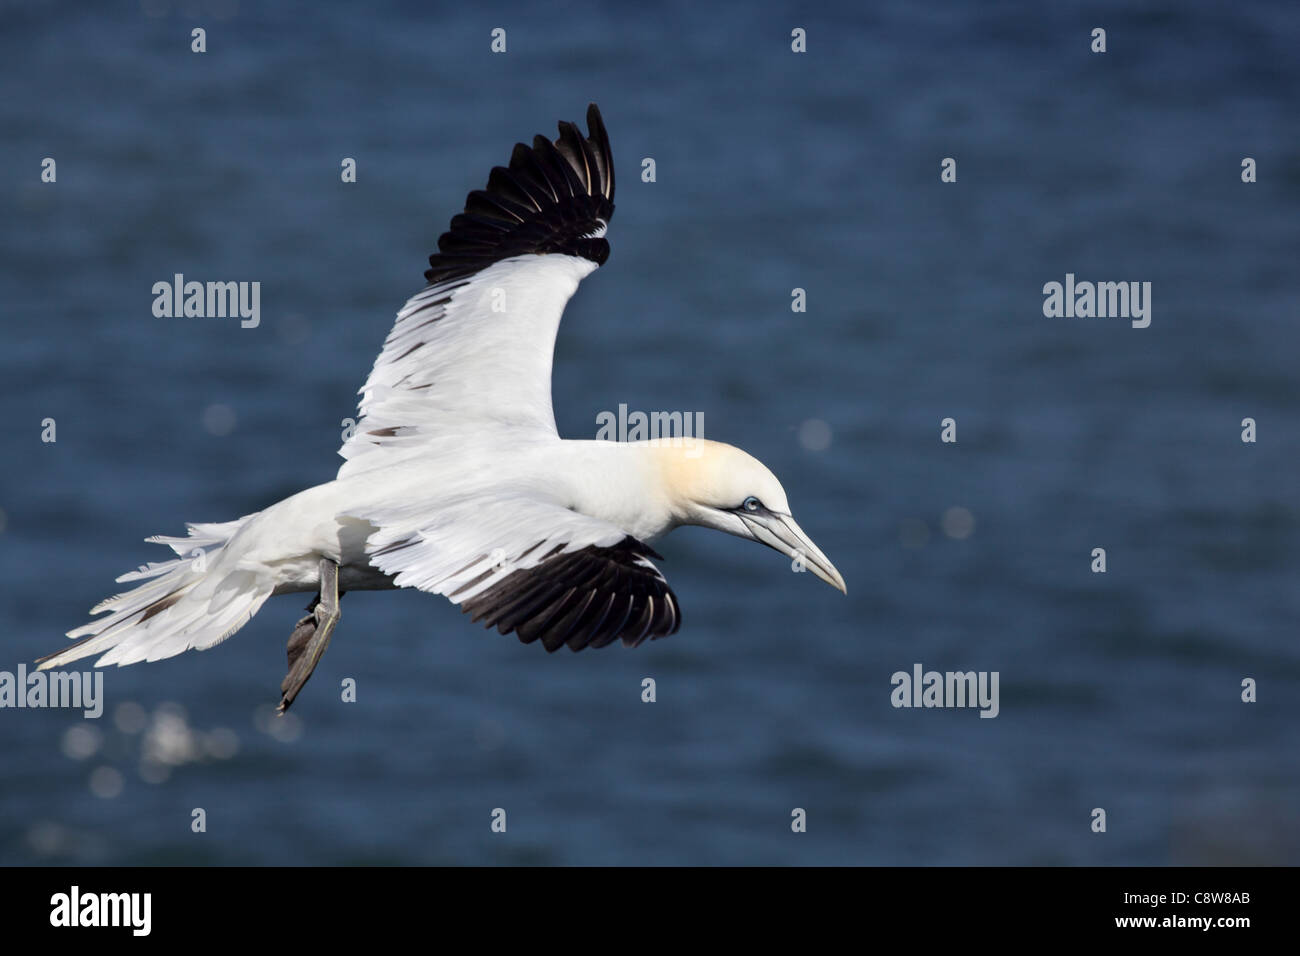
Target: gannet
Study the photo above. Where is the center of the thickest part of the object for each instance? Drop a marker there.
(455, 480)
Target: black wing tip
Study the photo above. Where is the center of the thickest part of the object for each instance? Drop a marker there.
(596, 134)
(585, 598)
(553, 197)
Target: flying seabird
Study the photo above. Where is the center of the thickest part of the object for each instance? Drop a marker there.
(455, 480)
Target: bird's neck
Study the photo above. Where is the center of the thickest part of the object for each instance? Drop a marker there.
(644, 487)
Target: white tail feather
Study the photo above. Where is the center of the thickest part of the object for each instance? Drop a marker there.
(194, 601)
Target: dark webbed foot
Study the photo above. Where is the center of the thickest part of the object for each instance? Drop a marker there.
(312, 634)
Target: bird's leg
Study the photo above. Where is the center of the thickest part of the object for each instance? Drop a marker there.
(312, 634)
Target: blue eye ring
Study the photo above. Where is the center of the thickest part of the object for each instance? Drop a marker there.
(751, 504)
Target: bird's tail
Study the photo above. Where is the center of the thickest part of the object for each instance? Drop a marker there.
(193, 601)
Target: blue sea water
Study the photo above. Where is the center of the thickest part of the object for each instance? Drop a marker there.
(774, 171)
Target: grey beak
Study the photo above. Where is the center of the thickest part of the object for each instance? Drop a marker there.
(780, 532)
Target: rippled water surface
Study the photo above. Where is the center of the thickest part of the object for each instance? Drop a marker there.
(774, 170)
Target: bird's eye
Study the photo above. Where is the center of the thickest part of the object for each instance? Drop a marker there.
(751, 504)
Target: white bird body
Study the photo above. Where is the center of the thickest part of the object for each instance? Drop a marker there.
(455, 480)
(618, 483)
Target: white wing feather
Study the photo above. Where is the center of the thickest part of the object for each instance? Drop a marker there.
(470, 545)
(468, 356)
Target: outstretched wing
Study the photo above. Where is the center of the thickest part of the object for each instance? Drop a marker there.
(473, 349)
(528, 566)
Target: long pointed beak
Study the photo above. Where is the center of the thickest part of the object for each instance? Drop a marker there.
(780, 532)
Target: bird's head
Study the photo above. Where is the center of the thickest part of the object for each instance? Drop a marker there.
(719, 486)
